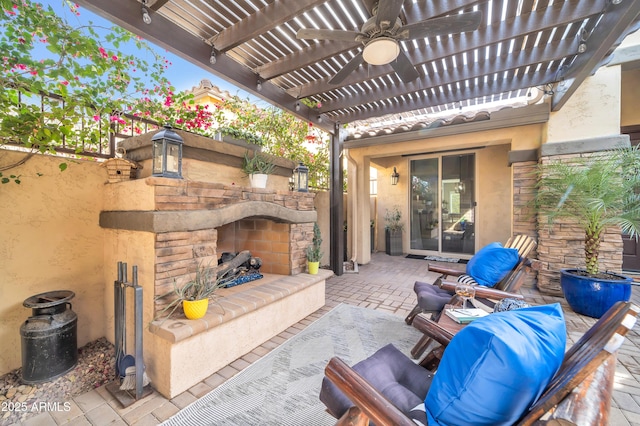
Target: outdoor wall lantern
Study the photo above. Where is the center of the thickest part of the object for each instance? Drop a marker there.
(301, 178)
(394, 177)
(167, 153)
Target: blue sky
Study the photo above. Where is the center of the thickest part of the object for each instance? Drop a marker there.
(182, 74)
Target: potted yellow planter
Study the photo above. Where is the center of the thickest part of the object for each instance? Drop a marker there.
(195, 309)
(194, 295)
(314, 253)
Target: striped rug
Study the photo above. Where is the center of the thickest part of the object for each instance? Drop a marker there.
(282, 388)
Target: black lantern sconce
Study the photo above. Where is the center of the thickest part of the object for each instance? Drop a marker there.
(394, 177)
(301, 178)
(167, 153)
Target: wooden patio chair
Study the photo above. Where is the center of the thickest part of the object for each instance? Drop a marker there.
(579, 393)
(432, 297)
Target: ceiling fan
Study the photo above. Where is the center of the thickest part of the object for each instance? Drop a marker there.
(381, 34)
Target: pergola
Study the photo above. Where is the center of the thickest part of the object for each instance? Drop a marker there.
(501, 49)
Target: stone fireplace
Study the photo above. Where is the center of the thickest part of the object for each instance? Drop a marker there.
(167, 227)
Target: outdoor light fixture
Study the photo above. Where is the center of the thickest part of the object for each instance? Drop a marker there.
(298, 106)
(301, 178)
(394, 177)
(259, 85)
(381, 51)
(212, 58)
(166, 148)
(146, 18)
(319, 119)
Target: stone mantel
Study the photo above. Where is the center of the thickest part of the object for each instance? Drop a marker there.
(174, 221)
(182, 205)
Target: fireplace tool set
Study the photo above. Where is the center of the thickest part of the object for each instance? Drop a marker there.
(131, 383)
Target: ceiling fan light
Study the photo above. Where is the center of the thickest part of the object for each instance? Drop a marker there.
(381, 51)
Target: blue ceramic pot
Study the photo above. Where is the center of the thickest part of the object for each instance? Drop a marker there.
(593, 297)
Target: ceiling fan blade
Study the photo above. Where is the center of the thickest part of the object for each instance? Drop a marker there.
(338, 35)
(347, 69)
(404, 68)
(388, 11)
(442, 26)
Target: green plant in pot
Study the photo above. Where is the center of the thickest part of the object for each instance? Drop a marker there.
(258, 167)
(393, 227)
(595, 193)
(314, 251)
(193, 295)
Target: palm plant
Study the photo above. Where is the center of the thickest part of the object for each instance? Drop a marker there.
(596, 192)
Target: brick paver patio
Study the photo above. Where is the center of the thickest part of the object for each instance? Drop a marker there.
(386, 284)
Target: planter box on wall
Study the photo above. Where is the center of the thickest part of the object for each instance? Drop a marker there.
(393, 242)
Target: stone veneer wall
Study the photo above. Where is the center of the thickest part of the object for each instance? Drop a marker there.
(281, 245)
(562, 246)
(524, 221)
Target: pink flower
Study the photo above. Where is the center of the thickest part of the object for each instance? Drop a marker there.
(319, 104)
(103, 52)
(65, 82)
(96, 117)
(114, 57)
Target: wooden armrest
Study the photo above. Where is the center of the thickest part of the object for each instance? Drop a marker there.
(367, 398)
(481, 291)
(433, 330)
(446, 271)
(590, 402)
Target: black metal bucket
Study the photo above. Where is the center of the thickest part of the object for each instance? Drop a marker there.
(49, 337)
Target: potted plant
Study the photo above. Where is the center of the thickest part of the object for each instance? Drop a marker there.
(258, 167)
(313, 251)
(194, 294)
(595, 192)
(393, 227)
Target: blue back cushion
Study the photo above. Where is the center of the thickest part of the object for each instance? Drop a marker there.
(492, 263)
(497, 367)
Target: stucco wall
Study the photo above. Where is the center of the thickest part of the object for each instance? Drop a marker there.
(494, 198)
(51, 241)
(630, 98)
(592, 111)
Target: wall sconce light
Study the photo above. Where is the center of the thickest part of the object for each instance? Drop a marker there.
(259, 85)
(212, 58)
(298, 106)
(301, 178)
(394, 177)
(166, 148)
(319, 119)
(146, 18)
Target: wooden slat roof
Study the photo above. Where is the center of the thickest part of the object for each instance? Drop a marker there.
(520, 45)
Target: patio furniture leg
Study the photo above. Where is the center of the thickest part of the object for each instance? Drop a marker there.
(412, 315)
(421, 346)
(353, 417)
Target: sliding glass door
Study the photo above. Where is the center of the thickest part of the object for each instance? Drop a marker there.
(442, 204)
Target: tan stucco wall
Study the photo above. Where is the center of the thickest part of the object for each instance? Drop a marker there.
(494, 195)
(592, 111)
(321, 203)
(51, 241)
(630, 98)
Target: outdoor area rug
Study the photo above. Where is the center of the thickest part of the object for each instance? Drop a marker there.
(282, 387)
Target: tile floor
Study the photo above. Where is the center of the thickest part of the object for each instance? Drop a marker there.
(386, 284)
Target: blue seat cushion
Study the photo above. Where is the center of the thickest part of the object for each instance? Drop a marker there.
(492, 263)
(392, 373)
(497, 367)
(431, 298)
